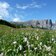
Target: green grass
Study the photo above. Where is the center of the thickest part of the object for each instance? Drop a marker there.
(27, 42)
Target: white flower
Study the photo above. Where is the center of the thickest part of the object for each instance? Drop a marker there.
(35, 48)
(14, 42)
(37, 38)
(48, 48)
(25, 39)
(24, 54)
(45, 46)
(32, 45)
(1, 54)
(20, 47)
(9, 50)
(40, 43)
(40, 48)
(53, 39)
(50, 54)
(27, 42)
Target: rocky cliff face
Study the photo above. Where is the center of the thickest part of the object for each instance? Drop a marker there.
(39, 23)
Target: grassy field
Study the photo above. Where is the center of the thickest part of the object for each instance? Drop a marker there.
(27, 42)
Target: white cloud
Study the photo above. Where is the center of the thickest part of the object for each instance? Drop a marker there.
(1, 17)
(22, 7)
(32, 5)
(4, 6)
(17, 19)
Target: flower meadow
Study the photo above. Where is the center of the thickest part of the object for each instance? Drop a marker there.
(27, 42)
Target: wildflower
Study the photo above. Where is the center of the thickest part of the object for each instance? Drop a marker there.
(28, 44)
(53, 39)
(24, 54)
(48, 48)
(20, 47)
(45, 46)
(32, 45)
(9, 50)
(50, 54)
(25, 39)
(1, 54)
(35, 48)
(40, 43)
(14, 42)
(37, 38)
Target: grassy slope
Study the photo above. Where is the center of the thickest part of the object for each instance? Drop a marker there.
(8, 35)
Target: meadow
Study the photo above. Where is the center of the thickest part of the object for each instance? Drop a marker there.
(27, 42)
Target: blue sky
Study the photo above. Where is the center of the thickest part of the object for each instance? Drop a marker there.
(23, 10)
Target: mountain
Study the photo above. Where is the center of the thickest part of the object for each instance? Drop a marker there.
(36, 23)
(44, 24)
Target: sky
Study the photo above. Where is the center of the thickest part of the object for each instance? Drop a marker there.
(24, 10)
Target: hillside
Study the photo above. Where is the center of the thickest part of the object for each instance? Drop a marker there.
(4, 22)
(29, 42)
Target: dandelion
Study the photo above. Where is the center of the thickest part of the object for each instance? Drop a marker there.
(20, 47)
(14, 42)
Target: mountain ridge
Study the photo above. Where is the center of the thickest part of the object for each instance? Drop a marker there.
(31, 23)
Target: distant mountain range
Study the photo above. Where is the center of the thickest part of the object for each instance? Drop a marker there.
(44, 24)
(47, 24)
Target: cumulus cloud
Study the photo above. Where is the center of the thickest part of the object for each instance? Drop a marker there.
(32, 5)
(4, 6)
(16, 19)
